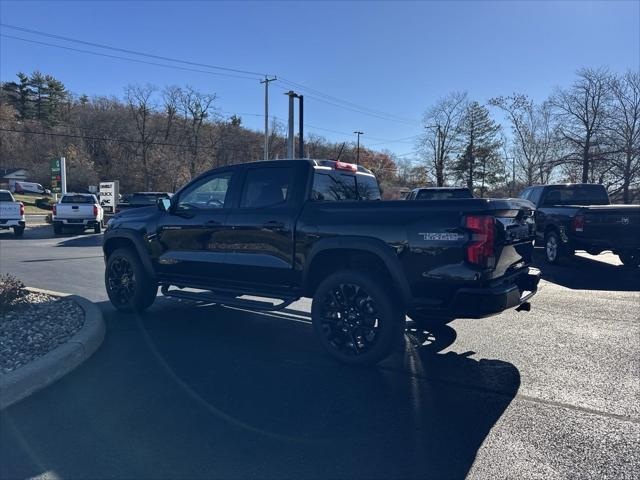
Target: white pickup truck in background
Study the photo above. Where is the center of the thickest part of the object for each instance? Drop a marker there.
(77, 210)
(11, 213)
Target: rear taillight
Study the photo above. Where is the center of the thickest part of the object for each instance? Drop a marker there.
(480, 250)
(95, 211)
(21, 209)
(577, 224)
(54, 210)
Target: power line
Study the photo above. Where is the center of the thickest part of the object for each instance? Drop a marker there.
(354, 105)
(315, 94)
(109, 139)
(131, 52)
(99, 54)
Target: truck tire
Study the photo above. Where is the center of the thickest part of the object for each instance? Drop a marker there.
(630, 259)
(129, 287)
(97, 228)
(57, 228)
(355, 317)
(552, 248)
(427, 322)
(18, 231)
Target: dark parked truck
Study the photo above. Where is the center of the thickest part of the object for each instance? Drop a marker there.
(572, 217)
(262, 235)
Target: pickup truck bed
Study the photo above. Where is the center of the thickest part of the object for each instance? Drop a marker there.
(288, 229)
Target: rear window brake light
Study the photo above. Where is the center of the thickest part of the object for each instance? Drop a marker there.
(346, 166)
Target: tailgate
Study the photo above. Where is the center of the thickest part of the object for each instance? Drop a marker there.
(515, 231)
(71, 211)
(9, 210)
(618, 225)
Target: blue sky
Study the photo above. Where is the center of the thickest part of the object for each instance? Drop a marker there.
(394, 57)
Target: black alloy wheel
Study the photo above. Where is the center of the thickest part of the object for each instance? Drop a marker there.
(355, 318)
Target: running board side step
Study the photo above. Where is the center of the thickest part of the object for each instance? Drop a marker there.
(227, 299)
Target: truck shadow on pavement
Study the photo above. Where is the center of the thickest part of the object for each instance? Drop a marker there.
(87, 240)
(203, 391)
(580, 273)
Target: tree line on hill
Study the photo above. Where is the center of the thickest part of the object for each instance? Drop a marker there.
(152, 139)
(149, 140)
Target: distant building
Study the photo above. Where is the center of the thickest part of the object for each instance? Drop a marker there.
(19, 174)
(9, 176)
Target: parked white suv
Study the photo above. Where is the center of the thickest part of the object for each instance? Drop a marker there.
(78, 210)
(11, 213)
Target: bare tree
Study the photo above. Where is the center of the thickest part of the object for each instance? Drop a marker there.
(581, 111)
(534, 136)
(141, 108)
(442, 124)
(624, 131)
(196, 107)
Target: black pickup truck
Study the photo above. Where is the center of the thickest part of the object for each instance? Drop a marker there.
(580, 216)
(281, 230)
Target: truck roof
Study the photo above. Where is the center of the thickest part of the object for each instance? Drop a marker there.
(334, 164)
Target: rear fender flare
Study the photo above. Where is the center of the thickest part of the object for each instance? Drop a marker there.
(376, 247)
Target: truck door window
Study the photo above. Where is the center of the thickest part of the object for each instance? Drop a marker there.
(333, 188)
(266, 187)
(208, 193)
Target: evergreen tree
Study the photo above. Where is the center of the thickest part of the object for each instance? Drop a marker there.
(19, 95)
(479, 165)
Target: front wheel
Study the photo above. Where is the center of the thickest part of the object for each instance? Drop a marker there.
(630, 259)
(355, 318)
(129, 287)
(552, 248)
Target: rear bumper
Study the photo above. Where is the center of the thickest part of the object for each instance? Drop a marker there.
(484, 302)
(11, 223)
(76, 222)
(479, 302)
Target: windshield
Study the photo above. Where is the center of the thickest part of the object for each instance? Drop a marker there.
(577, 195)
(443, 194)
(143, 198)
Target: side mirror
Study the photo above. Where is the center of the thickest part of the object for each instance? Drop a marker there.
(164, 204)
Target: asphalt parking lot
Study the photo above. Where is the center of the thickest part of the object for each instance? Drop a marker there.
(188, 391)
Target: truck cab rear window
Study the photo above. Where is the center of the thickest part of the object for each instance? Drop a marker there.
(78, 199)
(5, 197)
(341, 187)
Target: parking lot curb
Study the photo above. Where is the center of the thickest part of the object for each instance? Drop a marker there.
(30, 378)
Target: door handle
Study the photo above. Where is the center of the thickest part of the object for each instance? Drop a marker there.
(273, 225)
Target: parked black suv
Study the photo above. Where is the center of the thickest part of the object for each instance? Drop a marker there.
(287, 229)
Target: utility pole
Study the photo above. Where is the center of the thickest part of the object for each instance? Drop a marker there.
(301, 125)
(358, 133)
(290, 147)
(266, 114)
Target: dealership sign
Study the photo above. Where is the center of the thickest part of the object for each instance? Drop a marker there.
(56, 175)
(109, 194)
